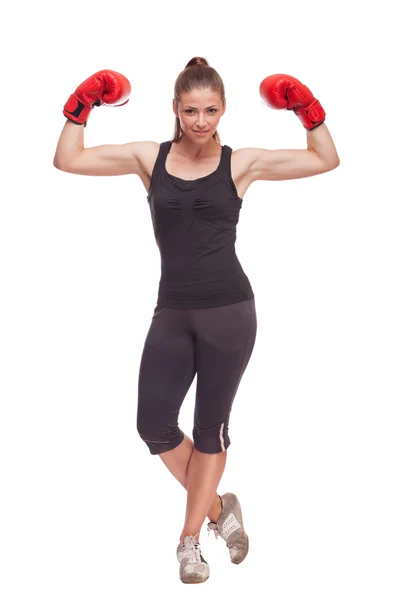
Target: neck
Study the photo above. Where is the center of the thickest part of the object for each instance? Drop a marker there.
(197, 150)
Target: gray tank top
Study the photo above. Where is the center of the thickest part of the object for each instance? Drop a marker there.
(194, 226)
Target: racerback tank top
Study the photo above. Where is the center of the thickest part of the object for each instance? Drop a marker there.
(194, 226)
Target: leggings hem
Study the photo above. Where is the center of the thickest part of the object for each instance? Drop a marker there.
(173, 444)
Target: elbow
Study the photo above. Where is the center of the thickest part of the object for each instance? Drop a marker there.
(334, 165)
(57, 164)
(60, 166)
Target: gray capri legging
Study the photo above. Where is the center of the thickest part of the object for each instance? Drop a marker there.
(216, 343)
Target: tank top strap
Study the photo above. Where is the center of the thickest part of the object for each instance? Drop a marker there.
(226, 159)
(162, 155)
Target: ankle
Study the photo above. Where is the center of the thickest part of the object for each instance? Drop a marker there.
(215, 512)
(185, 533)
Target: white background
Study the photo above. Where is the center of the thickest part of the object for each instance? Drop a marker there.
(86, 511)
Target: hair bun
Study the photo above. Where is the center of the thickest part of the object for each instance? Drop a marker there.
(197, 60)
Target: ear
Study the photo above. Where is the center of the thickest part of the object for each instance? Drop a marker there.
(174, 108)
(223, 107)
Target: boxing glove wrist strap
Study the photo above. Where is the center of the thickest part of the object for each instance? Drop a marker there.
(312, 115)
(76, 111)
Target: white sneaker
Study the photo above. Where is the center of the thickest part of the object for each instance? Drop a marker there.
(193, 568)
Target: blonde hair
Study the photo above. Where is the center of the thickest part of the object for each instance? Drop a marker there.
(196, 75)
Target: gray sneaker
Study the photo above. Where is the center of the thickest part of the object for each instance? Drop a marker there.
(230, 527)
(193, 567)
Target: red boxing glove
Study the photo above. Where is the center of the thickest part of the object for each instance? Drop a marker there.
(284, 91)
(104, 87)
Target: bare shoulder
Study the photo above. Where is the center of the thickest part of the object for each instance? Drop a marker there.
(242, 160)
(145, 154)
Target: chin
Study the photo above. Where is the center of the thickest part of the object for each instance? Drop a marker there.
(209, 134)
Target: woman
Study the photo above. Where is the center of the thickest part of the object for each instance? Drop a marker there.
(205, 318)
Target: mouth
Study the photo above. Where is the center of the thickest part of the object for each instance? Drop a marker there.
(201, 132)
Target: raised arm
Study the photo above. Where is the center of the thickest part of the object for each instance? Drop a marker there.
(276, 165)
(108, 159)
(108, 88)
(286, 92)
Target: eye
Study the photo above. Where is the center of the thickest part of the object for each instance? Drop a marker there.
(189, 110)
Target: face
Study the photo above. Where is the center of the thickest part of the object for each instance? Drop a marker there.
(199, 110)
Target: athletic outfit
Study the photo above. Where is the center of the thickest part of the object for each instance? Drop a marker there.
(205, 318)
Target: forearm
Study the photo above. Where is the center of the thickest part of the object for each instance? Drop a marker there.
(70, 144)
(320, 142)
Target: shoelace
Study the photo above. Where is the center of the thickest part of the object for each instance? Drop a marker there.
(192, 551)
(213, 527)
